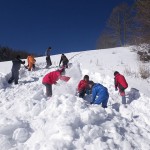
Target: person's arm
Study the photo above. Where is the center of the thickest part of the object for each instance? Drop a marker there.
(20, 61)
(79, 85)
(83, 86)
(115, 83)
(60, 61)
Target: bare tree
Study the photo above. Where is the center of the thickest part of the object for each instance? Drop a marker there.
(119, 23)
(143, 17)
(106, 41)
(127, 25)
(143, 13)
(119, 28)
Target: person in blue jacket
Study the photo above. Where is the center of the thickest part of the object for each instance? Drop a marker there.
(99, 94)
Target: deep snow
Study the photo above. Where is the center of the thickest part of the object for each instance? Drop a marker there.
(30, 121)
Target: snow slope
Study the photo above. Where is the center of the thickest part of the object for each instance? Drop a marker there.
(30, 121)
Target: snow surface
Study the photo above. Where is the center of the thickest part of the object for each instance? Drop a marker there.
(30, 121)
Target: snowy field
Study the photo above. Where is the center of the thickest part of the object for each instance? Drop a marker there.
(30, 121)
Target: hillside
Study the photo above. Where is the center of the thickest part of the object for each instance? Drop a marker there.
(29, 120)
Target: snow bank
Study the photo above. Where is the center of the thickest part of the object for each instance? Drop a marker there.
(30, 120)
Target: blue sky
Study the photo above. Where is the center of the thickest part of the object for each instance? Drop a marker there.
(65, 25)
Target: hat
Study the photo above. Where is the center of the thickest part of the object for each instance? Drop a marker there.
(86, 77)
(91, 82)
(116, 72)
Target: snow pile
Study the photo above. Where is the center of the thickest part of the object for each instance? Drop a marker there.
(30, 120)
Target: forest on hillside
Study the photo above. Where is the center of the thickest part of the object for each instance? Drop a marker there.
(7, 53)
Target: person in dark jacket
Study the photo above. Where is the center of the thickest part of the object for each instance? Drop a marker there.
(48, 59)
(15, 69)
(121, 84)
(99, 94)
(64, 60)
(83, 86)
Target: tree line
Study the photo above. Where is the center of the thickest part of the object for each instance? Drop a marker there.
(127, 25)
(7, 53)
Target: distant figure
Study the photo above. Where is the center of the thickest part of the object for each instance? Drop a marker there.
(15, 69)
(64, 60)
(120, 82)
(31, 62)
(48, 59)
(99, 94)
(50, 79)
(83, 86)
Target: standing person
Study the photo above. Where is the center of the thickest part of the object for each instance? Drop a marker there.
(48, 59)
(99, 94)
(15, 69)
(50, 79)
(83, 86)
(31, 62)
(120, 83)
(64, 60)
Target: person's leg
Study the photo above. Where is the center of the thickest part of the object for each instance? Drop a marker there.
(104, 103)
(47, 61)
(16, 76)
(65, 64)
(33, 66)
(48, 90)
(123, 97)
(82, 93)
(11, 78)
(50, 62)
(30, 66)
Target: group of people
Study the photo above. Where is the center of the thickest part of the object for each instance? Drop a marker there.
(16, 67)
(31, 64)
(99, 92)
(64, 60)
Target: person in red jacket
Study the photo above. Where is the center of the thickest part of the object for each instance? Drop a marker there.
(83, 86)
(51, 78)
(121, 84)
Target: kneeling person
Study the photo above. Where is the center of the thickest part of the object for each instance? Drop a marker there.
(83, 86)
(99, 94)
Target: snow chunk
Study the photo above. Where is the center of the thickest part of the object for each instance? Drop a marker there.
(20, 135)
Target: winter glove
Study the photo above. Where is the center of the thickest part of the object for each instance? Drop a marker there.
(23, 62)
(91, 102)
